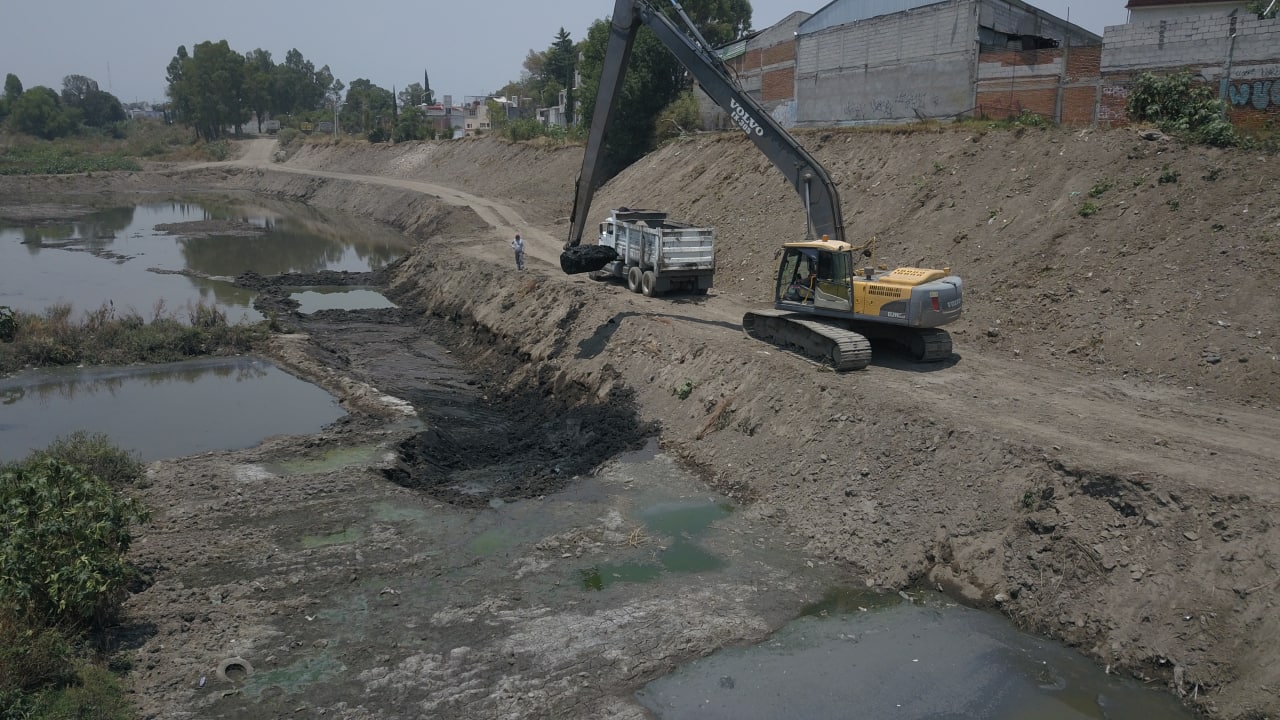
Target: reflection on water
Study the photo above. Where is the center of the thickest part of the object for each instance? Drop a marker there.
(107, 256)
(161, 410)
(878, 657)
(340, 298)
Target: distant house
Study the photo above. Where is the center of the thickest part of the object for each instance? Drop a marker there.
(477, 116)
(445, 119)
(556, 115)
(145, 111)
(1142, 12)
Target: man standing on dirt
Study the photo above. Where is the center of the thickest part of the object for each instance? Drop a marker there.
(518, 246)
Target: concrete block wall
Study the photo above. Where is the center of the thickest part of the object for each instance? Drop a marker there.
(1244, 71)
(888, 68)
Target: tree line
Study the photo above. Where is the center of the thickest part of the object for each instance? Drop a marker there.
(46, 113)
(216, 91)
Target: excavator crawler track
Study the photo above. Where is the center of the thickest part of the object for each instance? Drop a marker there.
(931, 345)
(830, 344)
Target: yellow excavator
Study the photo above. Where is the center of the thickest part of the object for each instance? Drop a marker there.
(827, 304)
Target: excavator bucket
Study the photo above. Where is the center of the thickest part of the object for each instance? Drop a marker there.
(586, 258)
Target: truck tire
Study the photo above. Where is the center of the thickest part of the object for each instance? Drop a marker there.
(634, 279)
(649, 284)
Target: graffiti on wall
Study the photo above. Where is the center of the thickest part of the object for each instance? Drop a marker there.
(903, 104)
(1260, 93)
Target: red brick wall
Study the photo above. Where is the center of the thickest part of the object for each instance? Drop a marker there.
(778, 84)
(1079, 105)
(780, 53)
(1044, 82)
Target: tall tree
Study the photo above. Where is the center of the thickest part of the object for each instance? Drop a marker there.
(297, 86)
(39, 111)
(654, 78)
(366, 108)
(413, 95)
(561, 65)
(12, 87)
(208, 88)
(257, 82)
(97, 107)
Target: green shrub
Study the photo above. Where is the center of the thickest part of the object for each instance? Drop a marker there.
(96, 455)
(1180, 105)
(1101, 187)
(62, 557)
(678, 118)
(288, 136)
(8, 324)
(1088, 210)
(218, 150)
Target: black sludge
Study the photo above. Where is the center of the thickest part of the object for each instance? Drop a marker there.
(586, 258)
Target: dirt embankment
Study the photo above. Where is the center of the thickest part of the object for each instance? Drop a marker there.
(1098, 460)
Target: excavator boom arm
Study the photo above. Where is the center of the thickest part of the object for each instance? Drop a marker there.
(810, 179)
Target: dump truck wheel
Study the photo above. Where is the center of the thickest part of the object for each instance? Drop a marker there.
(634, 280)
(649, 284)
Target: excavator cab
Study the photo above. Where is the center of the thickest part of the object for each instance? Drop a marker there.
(816, 275)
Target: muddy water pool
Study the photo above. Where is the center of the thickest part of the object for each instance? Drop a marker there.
(161, 411)
(856, 655)
(130, 256)
(315, 299)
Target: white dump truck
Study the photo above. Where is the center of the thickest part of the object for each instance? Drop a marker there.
(657, 255)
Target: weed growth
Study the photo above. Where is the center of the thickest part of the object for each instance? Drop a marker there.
(102, 337)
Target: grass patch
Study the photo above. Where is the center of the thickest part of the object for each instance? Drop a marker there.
(56, 159)
(1101, 187)
(101, 337)
(117, 148)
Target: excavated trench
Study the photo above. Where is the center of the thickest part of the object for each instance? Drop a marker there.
(482, 442)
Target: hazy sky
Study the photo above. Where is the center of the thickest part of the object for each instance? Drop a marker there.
(470, 47)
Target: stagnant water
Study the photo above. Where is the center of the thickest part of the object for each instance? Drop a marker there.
(161, 411)
(340, 298)
(118, 256)
(870, 657)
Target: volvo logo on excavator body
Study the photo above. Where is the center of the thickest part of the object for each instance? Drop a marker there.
(744, 119)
